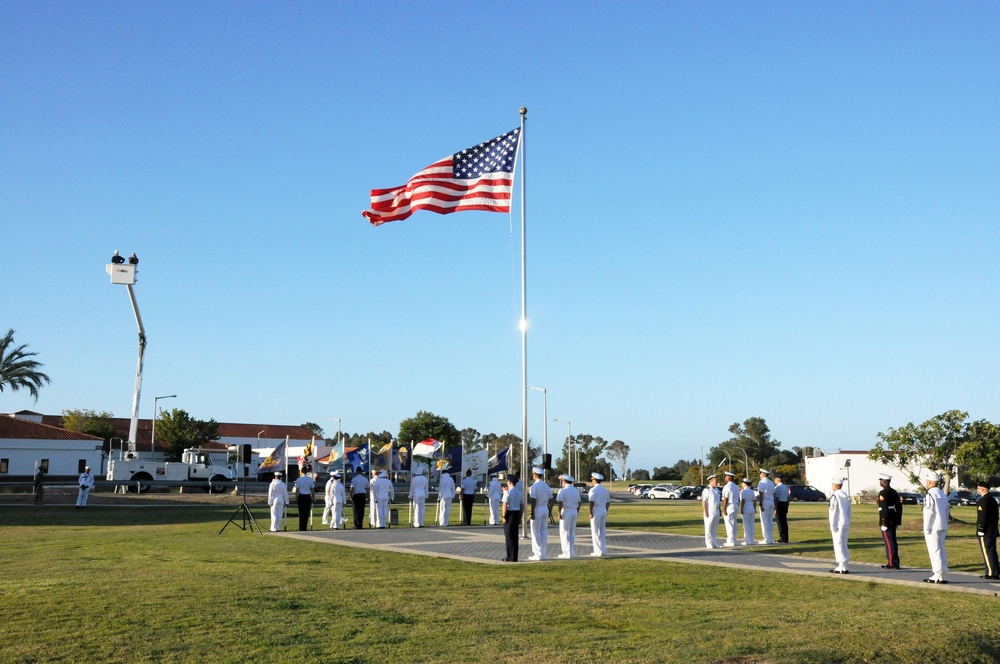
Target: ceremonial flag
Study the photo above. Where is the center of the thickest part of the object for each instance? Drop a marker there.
(275, 461)
(477, 178)
(426, 448)
(336, 454)
(498, 462)
(358, 458)
(476, 462)
(309, 448)
(383, 460)
(453, 457)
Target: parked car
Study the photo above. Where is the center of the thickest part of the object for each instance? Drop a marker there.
(637, 489)
(692, 492)
(797, 492)
(963, 498)
(663, 492)
(583, 489)
(908, 498)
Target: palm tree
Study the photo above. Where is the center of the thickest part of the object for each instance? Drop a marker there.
(16, 370)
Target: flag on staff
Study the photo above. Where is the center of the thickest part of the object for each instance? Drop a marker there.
(336, 454)
(477, 178)
(498, 462)
(383, 459)
(426, 448)
(476, 462)
(358, 458)
(275, 461)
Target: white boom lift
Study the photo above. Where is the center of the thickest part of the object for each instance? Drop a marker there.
(124, 273)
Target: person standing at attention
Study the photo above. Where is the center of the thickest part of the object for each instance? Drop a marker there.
(359, 495)
(710, 511)
(512, 499)
(890, 517)
(304, 487)
(569, 509)
(748, 504)
(782, 494)
(419, 488)
(840, 525)
(765, 498)
(468, 497)
(986, 530)
(539, 496)
(494, 494)
(277, 499)
(446, 494)
(600, 505)
(730, 508)
(86, 483)
(328, 499)
(337, 520)
(936, 511)
(383, 493)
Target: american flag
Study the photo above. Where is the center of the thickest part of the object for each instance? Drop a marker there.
(477, 178)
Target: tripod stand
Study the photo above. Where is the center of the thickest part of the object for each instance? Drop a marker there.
(244, 510)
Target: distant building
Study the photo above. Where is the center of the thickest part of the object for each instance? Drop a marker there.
(26, 444)
(862, 473)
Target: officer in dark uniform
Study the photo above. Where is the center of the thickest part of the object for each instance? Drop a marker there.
(986, 530)
(890, 516)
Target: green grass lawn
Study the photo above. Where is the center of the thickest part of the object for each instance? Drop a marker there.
(161, 584)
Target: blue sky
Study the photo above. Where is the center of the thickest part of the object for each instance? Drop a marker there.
(781, 210)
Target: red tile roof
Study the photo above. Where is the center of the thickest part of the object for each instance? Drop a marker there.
(14, 427)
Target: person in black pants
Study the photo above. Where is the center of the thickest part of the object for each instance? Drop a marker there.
(359, 494)
(781, 498)
(890, 516)
(512, 500)
(986, 530)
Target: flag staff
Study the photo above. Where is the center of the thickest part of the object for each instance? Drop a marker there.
(525, 522)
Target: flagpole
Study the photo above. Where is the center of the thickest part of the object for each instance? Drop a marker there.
(524, 336)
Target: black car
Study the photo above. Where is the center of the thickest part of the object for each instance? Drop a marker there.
(910, 498)
(798, 492)
(692, 493)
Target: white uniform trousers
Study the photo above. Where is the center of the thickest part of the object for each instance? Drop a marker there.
(935, 548)
(337, 518)
(419, 507)
(598, 532)
(494, 512)
(540, 532)
(382, 513)
(81, 498)
(840, 548)
(748, 525)
(730, 520)
(444, 512)
(327, 512)
(567, 532)
(277, 511)
(711, 530)
(767, 521)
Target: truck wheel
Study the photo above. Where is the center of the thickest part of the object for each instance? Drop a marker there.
(143, 480)
(215, 484)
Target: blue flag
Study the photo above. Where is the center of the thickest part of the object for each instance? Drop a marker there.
(498, 462)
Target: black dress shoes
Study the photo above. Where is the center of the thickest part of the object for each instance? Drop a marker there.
(987, 576)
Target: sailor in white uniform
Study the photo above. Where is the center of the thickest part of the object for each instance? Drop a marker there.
(419, 488)
(328, 500)
(495, 494)
(840, 524)
(337, 520)
(710, 511)
(936, 510)
(446, 494)
(765, 497)
(730, 508)
(748, 505)
(539, 496)
(277, 499)
(569, 509)
(86, 484)
(382, 492)
(600, 504)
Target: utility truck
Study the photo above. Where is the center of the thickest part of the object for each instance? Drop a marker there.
(195, 466)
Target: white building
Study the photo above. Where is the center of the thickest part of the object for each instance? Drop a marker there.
(854, 466)
(25, 445)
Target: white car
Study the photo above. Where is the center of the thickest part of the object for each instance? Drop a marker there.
(663, 492)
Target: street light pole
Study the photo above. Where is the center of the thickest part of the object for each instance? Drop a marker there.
(569, 445)
(342, 455)
(545, 429)
(152, 435)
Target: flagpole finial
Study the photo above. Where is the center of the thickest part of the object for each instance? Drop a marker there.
(524, 110)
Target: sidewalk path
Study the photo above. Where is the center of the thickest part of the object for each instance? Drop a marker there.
(485, 544)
